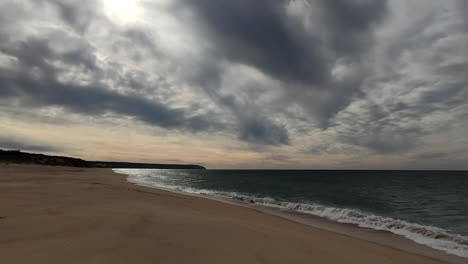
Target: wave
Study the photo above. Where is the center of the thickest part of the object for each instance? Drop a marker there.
(433, 237)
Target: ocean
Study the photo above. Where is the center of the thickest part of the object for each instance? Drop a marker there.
(428, 207)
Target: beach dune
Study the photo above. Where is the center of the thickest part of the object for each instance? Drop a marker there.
(80, 215)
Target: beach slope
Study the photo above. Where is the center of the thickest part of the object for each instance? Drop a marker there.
(88, 215)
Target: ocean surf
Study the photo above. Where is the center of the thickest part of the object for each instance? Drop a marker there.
(429, 208)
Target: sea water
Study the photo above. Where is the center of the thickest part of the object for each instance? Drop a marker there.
(428, 207)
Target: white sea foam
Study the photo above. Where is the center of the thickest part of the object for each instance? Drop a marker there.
(433, 237)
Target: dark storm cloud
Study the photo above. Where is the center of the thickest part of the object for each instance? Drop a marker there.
(255, 33)
(95, 100)
(264, 132)
(261, 34)
(35, 57)
(317, 57)
(36, 83)
(15, 144)
(252, 125)
(351, 22)
(264, 35)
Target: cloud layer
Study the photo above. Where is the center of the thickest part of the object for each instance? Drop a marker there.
(334, 81)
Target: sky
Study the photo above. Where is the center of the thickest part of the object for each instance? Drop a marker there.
(280, 84)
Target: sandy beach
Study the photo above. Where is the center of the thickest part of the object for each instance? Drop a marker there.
(74, 215)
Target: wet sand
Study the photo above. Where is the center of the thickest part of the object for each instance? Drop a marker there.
(74, 215)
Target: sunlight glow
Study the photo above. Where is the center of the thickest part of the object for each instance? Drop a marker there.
(123, 11)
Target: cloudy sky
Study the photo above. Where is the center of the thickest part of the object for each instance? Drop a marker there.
(238, 83)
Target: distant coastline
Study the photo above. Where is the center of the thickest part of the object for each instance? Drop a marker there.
(19, 157)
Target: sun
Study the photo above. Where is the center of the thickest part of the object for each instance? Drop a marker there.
(123, 11)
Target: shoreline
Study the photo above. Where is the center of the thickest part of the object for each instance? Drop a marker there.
(380, 237)
(75, 215)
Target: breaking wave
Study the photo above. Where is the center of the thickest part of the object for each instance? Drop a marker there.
(433, 237)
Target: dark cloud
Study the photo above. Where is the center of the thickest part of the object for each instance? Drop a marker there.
(260, 33)
(14, 144)
(256, 33)
(264, 35)
(35, 58)
(310, 64)
(37, 81)
(351, 22)
(264, 132)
